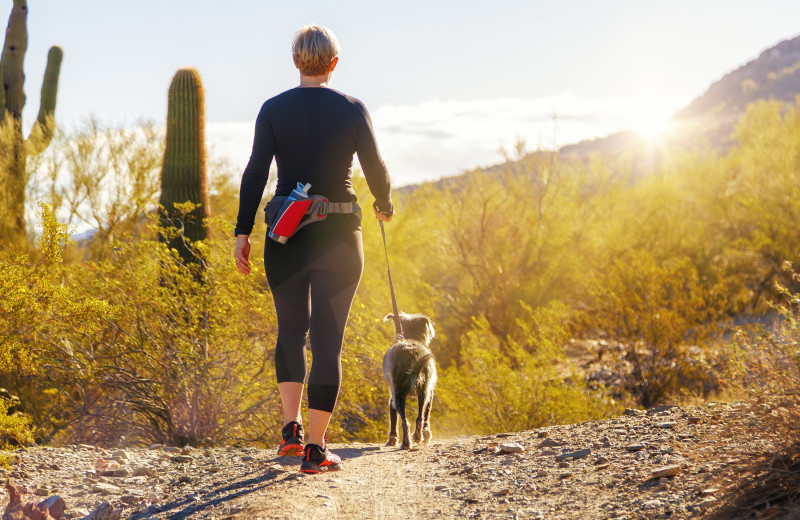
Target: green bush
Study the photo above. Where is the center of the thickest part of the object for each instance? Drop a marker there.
(520, 383)
(15, 429)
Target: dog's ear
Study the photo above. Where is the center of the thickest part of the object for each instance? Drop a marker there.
(429, 324)
(388, 317)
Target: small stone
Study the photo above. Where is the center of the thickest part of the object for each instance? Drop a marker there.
(122, 454)
(186, 450)
(182, 458)
(601, 460)
(550, 443)
(666, 425)
(708, 491)
(248, 458)
(511, 447)
(575, 455)
(55, 505)
(105, 489)
(666, 471)
(86, 447)
(694, 419)
(563, 464)
(542, 434)
(184, 479)
(565, 474)
(129, 499)
(632, 412)
(144, 472)
(41, 492)
(548, 452)
(634, 447)
(706, 502)
(105, 511)
(214, 469)
(652, 504)
(156, 446)
(102, 465)
(171, 449)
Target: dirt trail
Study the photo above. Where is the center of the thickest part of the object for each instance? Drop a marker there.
(667, 462)
(375, 483)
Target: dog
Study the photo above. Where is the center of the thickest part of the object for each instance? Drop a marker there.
(409, 366)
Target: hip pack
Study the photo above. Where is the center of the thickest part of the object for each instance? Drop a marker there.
(284, 217)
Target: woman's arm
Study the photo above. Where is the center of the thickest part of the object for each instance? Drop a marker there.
(374, 168)
(255, 175)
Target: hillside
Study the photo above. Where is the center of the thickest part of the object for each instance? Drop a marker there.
(710, 119)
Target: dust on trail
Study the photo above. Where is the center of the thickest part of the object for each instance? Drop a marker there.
(375, 483)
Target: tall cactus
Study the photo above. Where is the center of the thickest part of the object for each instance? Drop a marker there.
(183, 176)
(14, 148)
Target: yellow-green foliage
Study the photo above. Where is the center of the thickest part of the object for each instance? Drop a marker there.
(517, 383)
(15, 429)
(510, 266)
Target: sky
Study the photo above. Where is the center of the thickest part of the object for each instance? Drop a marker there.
(447, 83)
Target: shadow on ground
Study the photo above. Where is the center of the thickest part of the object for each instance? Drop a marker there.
(248, 483)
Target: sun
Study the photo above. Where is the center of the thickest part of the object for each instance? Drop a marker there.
(652, 127)
(651, 120)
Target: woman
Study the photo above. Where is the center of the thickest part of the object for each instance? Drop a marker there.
(313, 132)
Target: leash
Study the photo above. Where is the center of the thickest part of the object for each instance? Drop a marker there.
(398, 327)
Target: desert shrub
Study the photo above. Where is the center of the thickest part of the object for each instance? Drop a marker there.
(659, 309)
(139, 345)
(15, 429)
(518, 383)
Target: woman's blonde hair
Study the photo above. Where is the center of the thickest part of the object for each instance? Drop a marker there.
(314, 49)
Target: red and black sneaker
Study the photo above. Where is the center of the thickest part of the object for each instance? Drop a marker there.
(291, 441)
(317, 459)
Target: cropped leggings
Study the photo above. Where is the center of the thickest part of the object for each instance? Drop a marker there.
(313, 278)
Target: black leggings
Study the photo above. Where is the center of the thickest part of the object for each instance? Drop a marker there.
(313, 278)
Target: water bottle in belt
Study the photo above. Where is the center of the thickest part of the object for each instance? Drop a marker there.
(291, 213)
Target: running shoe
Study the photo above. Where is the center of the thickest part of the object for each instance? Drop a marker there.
(291, 441)
(317, 459)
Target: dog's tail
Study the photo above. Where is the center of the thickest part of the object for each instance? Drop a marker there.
(406, 381)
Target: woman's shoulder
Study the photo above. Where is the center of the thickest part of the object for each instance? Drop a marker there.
(289, 98)
(347, 98)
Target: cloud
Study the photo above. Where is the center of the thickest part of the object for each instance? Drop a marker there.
(434, 139)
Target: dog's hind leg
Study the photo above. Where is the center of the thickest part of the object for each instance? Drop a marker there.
(426, 422)
(420, 414)
(401, 410)
(392, 424)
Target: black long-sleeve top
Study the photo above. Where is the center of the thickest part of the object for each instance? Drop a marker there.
(313, 134)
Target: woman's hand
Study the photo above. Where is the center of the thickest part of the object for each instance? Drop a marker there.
(383, 216)
(242, 254)
(387, 213)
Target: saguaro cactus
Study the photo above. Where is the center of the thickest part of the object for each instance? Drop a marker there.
(183, 176)
(14, 148)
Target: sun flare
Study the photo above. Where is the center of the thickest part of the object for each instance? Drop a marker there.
(652, 127)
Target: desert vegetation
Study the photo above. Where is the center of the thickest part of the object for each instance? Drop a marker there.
(562, 289)
(681, 281)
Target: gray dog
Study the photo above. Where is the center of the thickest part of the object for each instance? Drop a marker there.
(409, 366)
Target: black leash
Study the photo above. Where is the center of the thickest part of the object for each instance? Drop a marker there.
(398, 327)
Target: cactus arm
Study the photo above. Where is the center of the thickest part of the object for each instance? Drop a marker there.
(44, 128)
